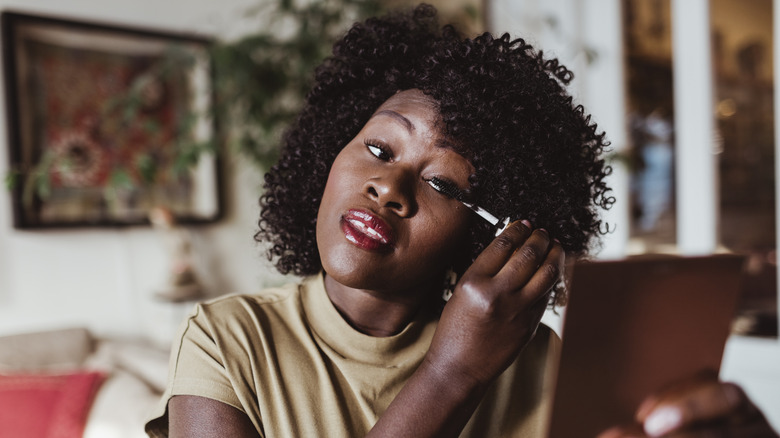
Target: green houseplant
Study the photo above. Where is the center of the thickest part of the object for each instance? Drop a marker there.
(262, 78)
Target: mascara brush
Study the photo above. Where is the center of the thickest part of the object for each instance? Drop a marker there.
(451, 190)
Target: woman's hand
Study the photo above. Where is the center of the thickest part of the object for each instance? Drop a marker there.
(493, 313)
(701, 407)
(497, 304)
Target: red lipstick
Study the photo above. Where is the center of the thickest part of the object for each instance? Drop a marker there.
(367, 231)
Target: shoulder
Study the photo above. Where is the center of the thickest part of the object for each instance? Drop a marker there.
(547, 337)
(541, 353)
(222, 336)
(240, 321)
(517, 405)
(238, 306)
(534, 370)
(269, 296)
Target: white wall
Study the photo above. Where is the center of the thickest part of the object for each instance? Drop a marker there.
(105, 278)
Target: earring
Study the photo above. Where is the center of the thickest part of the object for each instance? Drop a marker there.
(450, 280)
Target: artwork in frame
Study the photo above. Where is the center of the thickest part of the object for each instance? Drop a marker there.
(107, 122)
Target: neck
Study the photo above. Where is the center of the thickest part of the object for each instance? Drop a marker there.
(377, 313)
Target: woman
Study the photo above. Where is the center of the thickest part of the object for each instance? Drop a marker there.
(404, 122)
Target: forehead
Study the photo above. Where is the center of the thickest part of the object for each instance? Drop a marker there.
(412, 99)
(422, 111)
(412, 104)
(419, 115)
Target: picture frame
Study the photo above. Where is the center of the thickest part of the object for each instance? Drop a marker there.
(107, 122)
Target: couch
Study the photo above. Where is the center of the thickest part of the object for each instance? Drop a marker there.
(70, 383)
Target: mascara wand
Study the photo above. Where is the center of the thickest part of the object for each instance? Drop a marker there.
(451, 190)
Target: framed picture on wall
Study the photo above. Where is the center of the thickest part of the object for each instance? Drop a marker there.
(107, 122)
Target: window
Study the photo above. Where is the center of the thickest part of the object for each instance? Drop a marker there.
(741, 153)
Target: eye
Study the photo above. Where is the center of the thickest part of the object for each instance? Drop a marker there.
(377, 149)
(445, 187)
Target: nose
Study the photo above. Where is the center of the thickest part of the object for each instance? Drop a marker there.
(393, 190)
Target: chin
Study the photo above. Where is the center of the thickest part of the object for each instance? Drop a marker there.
(375, 271)
(343, 265)
(355, 275)
(352, 272)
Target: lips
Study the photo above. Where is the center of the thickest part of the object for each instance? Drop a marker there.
(367, 231)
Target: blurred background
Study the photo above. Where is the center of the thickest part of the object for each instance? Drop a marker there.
(683, 88)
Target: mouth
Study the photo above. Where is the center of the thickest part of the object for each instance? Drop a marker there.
(367, 231)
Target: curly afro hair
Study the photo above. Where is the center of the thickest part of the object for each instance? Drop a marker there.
(537, 155)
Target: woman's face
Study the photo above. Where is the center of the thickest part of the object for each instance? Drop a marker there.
(381, 226)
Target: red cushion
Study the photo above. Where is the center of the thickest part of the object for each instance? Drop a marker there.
(46, 405)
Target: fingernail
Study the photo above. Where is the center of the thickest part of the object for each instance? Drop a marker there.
(645, 408)
(619, 432)
(662, 420)
(526, 223)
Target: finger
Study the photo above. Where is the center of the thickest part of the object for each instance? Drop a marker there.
(547, 275)
(526, 260)
(719, 430)
(700, 404)
(633, 431)
(680, 387)
(493, 258)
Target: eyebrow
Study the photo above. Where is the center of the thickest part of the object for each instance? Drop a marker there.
(397, 116)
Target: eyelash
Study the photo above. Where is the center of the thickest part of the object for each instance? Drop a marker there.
(442, 185)
(382, 150)
(445, 187)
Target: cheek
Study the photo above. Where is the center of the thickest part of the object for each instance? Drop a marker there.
(449, 233)
(343, 172)
(330, 203)
(341, 181)
(338, 179)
